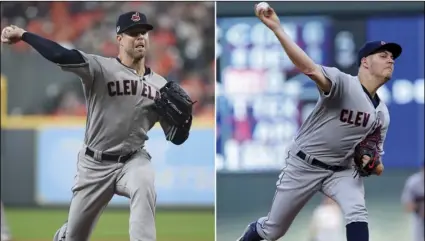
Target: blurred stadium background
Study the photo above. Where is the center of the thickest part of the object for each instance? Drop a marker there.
(43, 117)
(262, 100)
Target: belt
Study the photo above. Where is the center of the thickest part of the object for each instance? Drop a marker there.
(320, 164)
(108, 157)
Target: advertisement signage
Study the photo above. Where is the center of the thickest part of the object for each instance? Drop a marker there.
(263, 99)
(185, 174)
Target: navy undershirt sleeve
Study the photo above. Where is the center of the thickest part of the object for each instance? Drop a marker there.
(52, 51)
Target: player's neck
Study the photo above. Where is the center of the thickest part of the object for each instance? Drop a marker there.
(370, 83)
(138, 65)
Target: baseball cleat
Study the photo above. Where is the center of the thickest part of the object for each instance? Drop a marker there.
(245, 230)
(250, 233)
(60, 233)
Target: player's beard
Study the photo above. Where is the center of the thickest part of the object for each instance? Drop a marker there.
(136, 54)
(387, 75)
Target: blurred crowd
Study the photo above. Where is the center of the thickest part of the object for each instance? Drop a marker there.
(181, 45)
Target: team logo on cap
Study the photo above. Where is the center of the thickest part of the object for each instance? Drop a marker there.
(135, 17)
(382, 42)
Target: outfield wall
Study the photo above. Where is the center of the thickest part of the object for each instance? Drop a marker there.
(38, 167)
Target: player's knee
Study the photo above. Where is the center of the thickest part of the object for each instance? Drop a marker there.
(141, 193)
(142, 186)
(358, 213)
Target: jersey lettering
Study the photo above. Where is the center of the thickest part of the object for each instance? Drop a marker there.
(356, 118)
(126, 87)
(147, 92)
(340, 120)
(129, 87)
(125, 116)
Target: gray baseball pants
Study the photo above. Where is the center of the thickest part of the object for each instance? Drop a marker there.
(96, 183)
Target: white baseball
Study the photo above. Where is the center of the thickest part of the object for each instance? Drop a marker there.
(3, 33)
(262, 6)
(6, 29)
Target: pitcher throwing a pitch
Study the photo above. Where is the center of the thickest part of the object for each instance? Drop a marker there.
(339, 144)
(125, 99)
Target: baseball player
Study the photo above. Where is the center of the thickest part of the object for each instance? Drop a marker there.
(412, 199)
(343, 135)
(5, 231)
(327, 223)
(125, 99)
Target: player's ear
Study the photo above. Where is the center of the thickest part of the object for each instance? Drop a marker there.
(147, 39)
(119, 38)
(364, 62)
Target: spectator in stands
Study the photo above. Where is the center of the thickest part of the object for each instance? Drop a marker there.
(182, 45)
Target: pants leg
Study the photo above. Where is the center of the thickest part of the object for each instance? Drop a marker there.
(93, 189)
(136, 182)
(348, 192)
(297, 183)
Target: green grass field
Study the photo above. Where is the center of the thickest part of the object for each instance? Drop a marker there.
(41, 224)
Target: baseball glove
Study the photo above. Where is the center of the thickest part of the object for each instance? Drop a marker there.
(174, 104)
(365, 167)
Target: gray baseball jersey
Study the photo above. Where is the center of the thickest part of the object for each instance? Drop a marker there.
(413, 192)
(340, 120)
(119, 103)
(120, 113)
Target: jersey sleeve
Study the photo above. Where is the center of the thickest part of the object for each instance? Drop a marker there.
(336, 77)
(87, 70)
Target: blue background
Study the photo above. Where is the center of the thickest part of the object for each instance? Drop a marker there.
(185, 174)
(404, 145)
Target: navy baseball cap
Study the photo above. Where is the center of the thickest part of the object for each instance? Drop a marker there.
(373, 47)
(132, 19)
